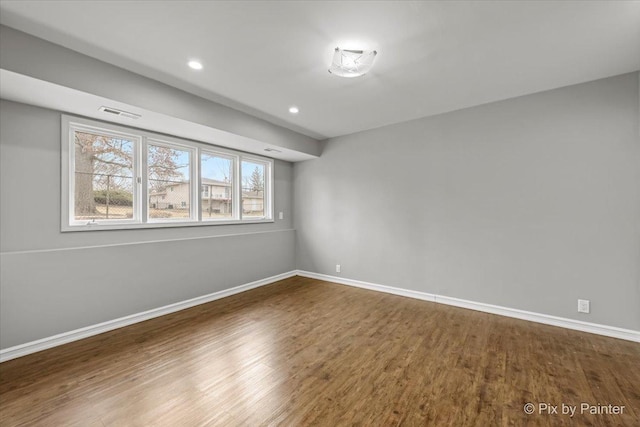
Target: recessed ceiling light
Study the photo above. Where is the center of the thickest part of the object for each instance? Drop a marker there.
(195, 65)
(351, 63)
(294, 110)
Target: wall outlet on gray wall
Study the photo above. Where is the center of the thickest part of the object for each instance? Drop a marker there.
(583, 306)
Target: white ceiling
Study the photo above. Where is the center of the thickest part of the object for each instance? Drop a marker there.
(262, 57)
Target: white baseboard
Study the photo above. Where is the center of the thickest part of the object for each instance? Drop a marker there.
(78, 334)
(371, 286)
(594, 328)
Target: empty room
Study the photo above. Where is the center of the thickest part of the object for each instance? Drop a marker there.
(319, 213)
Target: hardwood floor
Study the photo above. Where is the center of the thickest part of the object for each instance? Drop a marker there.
(305, 352)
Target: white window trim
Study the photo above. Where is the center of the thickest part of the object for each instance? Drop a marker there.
(140, 192)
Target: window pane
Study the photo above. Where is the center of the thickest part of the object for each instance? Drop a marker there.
(217, 183)
(252, 189)
(103, 173)
(169, 184)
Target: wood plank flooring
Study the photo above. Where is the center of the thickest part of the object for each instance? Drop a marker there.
(305, 352)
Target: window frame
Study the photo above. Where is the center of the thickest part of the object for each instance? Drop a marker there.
(235, 182)
(142, 139)
(268, 184)
(193, 174)
(68, 178)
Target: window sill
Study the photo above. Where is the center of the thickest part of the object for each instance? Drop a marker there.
(135, 226)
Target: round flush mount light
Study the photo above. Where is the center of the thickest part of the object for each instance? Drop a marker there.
(351, 63)
(195, 65)
(294, 110)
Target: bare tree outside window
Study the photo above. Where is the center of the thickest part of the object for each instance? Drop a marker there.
(257, 179)
(103, 176)
(252, 189)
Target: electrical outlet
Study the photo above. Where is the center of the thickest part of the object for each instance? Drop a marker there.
(281, 215)
(583, 306)
(337, 268)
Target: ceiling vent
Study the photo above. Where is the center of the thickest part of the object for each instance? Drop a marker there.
(120, 113)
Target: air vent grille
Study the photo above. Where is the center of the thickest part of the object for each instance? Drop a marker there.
(117, 112)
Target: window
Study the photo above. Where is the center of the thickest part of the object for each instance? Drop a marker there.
(168, 170)
(115, 177)
(217, 175)
(253, 185)
(103, 176)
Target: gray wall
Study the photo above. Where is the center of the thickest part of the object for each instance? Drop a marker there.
(53, 282)
(529, 203)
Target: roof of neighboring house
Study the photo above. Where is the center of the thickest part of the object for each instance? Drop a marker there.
(246, 194)
(205, 181)
(215, 182)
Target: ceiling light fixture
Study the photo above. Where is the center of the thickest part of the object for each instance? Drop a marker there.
(195, 65)
(294, 110)
(351, 63)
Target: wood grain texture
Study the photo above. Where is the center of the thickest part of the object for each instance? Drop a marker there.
(305, 352)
